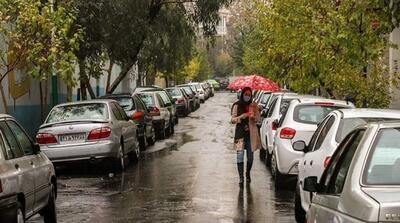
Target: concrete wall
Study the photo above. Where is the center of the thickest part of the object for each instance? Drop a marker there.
(23, 95)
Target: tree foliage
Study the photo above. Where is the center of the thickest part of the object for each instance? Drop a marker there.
(336, 45)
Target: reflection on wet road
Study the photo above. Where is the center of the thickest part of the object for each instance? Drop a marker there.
(190, 177)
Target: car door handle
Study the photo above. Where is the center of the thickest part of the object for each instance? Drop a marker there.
(311, 162)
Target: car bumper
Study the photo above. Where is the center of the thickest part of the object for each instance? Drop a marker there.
(287, 158)
(8, 209)
(181, 110)
(90, 150)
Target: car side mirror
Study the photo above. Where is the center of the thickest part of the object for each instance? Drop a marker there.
(311, 184)
(300, 146)
(36, 148)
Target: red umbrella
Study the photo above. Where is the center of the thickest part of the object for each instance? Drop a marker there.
(254, 82)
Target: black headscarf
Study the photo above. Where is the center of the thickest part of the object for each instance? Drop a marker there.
(240, 130)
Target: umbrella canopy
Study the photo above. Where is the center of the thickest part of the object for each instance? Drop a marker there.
(254, 82)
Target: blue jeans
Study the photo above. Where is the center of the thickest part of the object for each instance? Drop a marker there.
(247, 148)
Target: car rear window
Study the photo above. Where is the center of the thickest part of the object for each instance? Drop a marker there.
(383, 165)
(349, 124)
(312, 114)
(126, 103)
(265, 98)
(148, 99)
(92, 111)
(174, 92)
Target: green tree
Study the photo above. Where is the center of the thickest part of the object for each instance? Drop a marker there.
(40, 37)
(332, 45)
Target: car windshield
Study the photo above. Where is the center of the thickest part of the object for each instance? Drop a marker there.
(77, 112)
(188, 90)
(174, 91)
(383, 166)
(265, 98)
(312, 114)
(164, 97)
(349, 124)
(126, 103)
(148, 99)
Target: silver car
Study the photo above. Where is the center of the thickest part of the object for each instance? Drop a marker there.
(329, 134)
(89, 130)
(298, 122)
(362, 180)
(27, 178)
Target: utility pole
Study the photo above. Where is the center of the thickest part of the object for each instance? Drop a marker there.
(54, 81)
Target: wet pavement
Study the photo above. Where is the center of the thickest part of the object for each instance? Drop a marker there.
(191, 177)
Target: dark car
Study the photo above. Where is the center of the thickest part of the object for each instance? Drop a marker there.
(190, 88)
(191, 96)
(181, 102)
(136, 109)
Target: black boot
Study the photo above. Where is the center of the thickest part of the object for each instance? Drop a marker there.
(241, 170)
(248, 169)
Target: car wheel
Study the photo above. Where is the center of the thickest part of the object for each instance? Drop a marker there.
(300, 214)
(121, 161)
(49, 212)
(267, 159)
(20, 218)
(142, 143)
(151, 140)
(262, 154)
(278, 178)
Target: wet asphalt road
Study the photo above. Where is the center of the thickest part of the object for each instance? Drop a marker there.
(191, 177)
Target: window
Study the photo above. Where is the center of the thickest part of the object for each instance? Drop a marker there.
(383, 165)
(174, 91)
(272, 108)
(148, 99)
(126, 103)
(312, 114)
(11, 143)
(22, 138)
(265, 98)
(324, 133)
(165, 98)
(76, 112)
(116, 112)
(335, 176)
(122, 112)
(160, 100)
(316, 134)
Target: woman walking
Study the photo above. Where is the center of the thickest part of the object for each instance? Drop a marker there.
(245, 115)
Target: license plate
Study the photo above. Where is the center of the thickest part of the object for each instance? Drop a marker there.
(72, 137)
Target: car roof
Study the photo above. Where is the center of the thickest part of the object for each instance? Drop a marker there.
(93, 101)
(115, 95)
(2, 116)
(369, 112)
(383, 124)
(306, 99)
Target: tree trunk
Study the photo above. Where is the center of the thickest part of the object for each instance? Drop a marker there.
(69, 93)
(109, 72)
(90, 89)
(41, 101)
(83, 77)
(3, 97)
(166, 81)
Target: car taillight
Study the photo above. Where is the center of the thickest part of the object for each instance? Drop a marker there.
(155, 111)
(287, 133)
(100, 133)
(45, 138)
(180, 101)
(137, 115)
(326, 161)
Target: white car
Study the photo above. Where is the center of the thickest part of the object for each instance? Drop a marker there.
(200, 90)
(298, 122)
(330, 132)
(270, 123)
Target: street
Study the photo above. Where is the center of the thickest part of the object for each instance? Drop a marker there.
(191, 177)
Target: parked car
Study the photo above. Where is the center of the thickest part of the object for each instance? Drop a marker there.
(298, 122)
(215, 84)
(89, 130)
(207, 89)
(270, 120)
(194, 90)
(27, 178)
(136, 109)
(182, 104)
(168, 100)
(193, 103)
(323, 143)
(263, 98)
(162, 120)
(189, 99)
(200, 91)
(362, 180)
